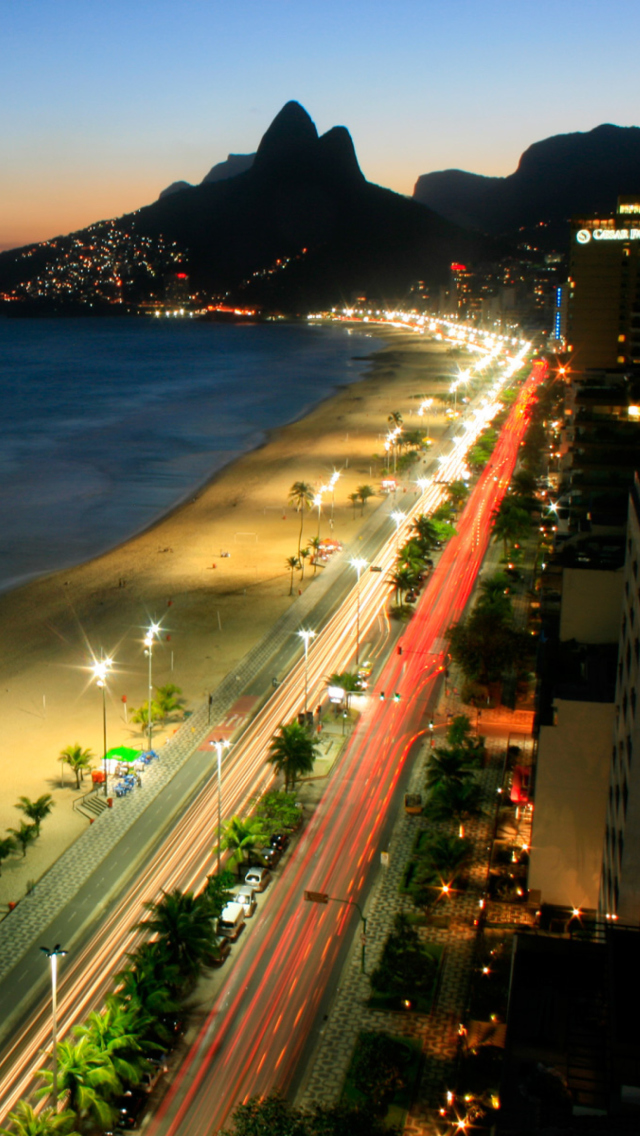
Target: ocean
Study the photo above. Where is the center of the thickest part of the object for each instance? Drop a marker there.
(109, 423)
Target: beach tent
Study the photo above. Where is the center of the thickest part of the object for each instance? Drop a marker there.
(122, 753)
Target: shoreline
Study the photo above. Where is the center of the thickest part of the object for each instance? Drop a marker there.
(213, 608)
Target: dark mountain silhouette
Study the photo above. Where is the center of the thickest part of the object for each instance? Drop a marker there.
(556, 179)
(301, 228)
(235, 164)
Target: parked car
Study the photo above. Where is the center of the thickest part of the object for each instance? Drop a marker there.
(223, 950)
(258, 878)
(269, 857)
(410, 597)
(247, 897)
(129, 1108)
(279, 840)
(231, 920)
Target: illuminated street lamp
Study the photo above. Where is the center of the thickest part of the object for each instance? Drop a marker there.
(358, 563)
(100, 671)
(219, 746)
(399, 518)
(53, 955)
(152, 631)
(332, 486)
(306, 636)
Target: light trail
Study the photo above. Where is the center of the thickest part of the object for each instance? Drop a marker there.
(185, 857)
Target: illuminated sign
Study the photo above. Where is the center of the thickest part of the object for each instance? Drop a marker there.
(583, 236)
(630, 207)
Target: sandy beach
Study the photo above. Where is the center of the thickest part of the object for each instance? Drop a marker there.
(213, 607)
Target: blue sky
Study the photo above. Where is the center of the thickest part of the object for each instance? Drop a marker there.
(103, 103)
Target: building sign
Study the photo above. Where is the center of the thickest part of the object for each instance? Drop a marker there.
(583, 236)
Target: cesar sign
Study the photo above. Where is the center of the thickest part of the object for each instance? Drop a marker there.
(583, 236)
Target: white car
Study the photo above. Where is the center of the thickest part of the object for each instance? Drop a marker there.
(257, 878)
(247, 897)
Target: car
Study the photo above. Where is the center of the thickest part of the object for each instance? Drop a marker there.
(247, 897)
(269, 857)
(279, 840)
(223, 950)
(410, 597)
(129, 1108)
(257, 878)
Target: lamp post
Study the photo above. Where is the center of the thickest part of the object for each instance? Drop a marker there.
(100, 671)
(53, 955)
(398, 517)
(306, 636)
(358, 563)
(152, 631)
(332, 486)
(219, 746)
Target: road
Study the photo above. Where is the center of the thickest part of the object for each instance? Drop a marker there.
(185, 856)
(256, 1032)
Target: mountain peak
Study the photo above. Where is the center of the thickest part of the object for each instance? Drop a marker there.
(292, 130)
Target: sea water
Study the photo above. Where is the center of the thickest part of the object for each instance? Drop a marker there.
(106, 424)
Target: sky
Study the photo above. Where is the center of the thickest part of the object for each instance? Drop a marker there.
(104, 103)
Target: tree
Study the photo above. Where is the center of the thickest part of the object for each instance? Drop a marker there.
(25, 1121)
(457, 492)
(304, 556)
(273, 1116)
(510, 524)
(315, 545)
(183, 923)
(292, 752)
(278, 810)
(301, 497)
(240, 837)
(292, 563)
(403, 580)
(218, 893)
(364, 493)
(147, 987)
(7, 846)
(168, 699)
(25, 835)
(114, 1033)
(348, 681)
(354, 499)
(426, 530)
(455, 801)
(379, 1067)
(78, 759)
(395, 418)
(445, 766)
(36, 810)
(88, 1079)
(485, 648)
(444, 858)
(141, 715)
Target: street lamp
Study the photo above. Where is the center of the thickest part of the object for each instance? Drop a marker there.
(399, 518)
(100, 671)
(53, 956)
(152, 631)
(306, 636)
(358, 563)
(332, 486)
(219, 746)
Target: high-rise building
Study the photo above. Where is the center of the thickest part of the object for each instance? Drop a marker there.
(620, 879)
(603, 311)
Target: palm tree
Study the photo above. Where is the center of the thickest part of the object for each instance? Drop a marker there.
(395, 418)
(455, 801)
(426, 530)
(25, 1121)
(141, 715)
(364, 493)
(403, 580)
(446, 766)
(444, 857)
(78, 759)
(315, 545)
(292, 563)
(304, 556)
(510, 524)
(301, 497)
(115, 1033)
(184, 925)
(240, 837)
(292, 752)
(88, 1079)
(354, 499)
(7, 846)
(168, 699)
(457, 492)
(147, 986)
(25, 835)
(36, 810)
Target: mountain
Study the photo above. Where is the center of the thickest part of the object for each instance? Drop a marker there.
(235, 164)
(300, 229)
(556, 179)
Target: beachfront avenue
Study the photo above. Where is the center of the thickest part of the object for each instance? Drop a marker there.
(375, 756)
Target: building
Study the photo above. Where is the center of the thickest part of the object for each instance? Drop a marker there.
(620, 878)
(603, 310)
